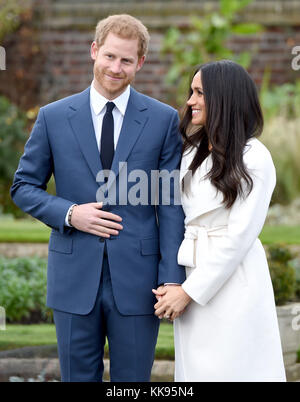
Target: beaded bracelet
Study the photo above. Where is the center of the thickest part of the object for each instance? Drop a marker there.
(70, 214)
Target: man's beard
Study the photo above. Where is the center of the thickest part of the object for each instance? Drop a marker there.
(111, 87)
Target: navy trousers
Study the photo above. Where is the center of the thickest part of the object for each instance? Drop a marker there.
(81, 340)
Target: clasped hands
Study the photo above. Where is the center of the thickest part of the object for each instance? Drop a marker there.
(172, 301)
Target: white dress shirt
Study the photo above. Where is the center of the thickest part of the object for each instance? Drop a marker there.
(98, 109)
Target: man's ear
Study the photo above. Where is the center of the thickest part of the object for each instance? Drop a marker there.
(140, 63)
(94, 50)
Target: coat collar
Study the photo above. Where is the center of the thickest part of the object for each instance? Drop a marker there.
(200, 196)
(186, 161)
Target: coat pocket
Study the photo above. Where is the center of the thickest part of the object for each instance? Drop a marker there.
(149, 246)
(60, 244)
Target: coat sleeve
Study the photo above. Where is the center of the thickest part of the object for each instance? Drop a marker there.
(169, 211)
(30, 182)
(246, 220)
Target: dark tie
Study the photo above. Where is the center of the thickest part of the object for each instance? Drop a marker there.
(107, 137)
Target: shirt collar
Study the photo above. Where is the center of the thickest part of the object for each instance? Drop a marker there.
(98, 101)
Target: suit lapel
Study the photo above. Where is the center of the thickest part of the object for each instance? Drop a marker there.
(82, 125)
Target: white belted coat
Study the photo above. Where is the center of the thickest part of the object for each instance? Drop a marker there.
(229, 332)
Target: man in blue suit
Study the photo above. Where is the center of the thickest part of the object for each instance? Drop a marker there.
(105, 257)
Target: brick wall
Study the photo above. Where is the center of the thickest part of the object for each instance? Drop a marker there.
(49, 57)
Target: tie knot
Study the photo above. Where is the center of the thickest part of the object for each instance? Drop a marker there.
(109, 107)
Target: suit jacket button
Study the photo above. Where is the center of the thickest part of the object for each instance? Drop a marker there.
(106, 207)
(101, 239)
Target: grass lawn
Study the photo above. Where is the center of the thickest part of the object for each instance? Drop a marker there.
(18, 336)
(33, 231)
(23, 231)
(280, 234)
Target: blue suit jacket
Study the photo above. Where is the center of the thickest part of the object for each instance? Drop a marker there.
(144, 254)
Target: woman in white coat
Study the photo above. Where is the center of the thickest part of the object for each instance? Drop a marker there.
(225, 323)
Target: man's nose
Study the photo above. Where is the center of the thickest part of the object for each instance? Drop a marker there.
(116, 67)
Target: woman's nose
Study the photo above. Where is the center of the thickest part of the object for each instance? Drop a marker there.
(190, 101)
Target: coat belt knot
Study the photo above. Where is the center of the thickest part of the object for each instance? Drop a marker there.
(195, 243)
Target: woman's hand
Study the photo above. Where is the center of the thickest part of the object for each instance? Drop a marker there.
(173, 301)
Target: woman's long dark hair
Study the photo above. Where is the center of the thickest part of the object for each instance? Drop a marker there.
(233, 116)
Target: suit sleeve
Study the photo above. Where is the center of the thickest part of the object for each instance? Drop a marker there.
(246, 220)
(169, 211)
(30, 182)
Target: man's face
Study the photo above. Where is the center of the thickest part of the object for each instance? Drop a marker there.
(116, 63)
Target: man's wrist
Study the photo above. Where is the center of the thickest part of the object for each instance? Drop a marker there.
(171, 284)
(69, 215)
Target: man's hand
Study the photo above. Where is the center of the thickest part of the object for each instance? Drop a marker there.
(172, 303)
(160, 290)
(91, 219)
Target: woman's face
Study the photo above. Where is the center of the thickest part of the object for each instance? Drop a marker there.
(196, 101)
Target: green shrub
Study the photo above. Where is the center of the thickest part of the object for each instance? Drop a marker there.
(23, 284)
(280, 100)
(281, 107)
(10, 15)
(282, 273)
(23, 289)
(206, 40)
(12, 138)
(297, 272)
(282, 138)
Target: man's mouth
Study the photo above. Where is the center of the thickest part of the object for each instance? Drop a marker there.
(111, 77)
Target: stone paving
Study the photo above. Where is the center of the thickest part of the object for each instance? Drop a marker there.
(47, 369)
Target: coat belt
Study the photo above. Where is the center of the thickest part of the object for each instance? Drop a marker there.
(195, 244)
